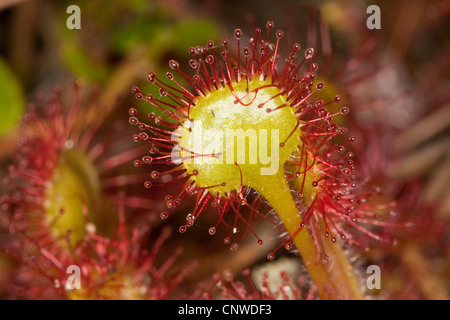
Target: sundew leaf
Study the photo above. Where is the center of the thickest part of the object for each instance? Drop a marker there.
(12, 103)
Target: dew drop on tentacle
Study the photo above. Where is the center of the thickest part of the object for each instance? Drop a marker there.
(143, 136)
(163, 92)
(154, 174)
(133, 121)
(212, 231)
(148, 184)
(147, 159)
(142, 126)
(182, 229)
(210, 59)
(136, 137)
(238, 33)
(150, 98)
(309, 53)
(280, 34)
(193, 63)
(270, 25)
(170, 204)
(173, 64)
(133, 112)
(164, 215)
(319, 103)
(344, 110)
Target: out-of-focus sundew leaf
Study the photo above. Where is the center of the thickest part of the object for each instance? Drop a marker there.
(12, 100)
(190, 32)
(135, 33)
(82, 65)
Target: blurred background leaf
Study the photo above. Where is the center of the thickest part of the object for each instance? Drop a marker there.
(11, 93)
